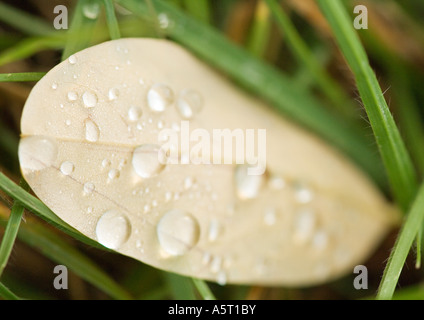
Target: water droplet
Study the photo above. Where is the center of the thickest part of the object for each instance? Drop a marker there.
(91, 10)
(89, 209)
(89, 187)
(92, 131)
(276, 182)
(270, 216)
(113, 94)
(134, 113)
(163, 20)
(113, 229)
(146, 160)
(89, 99)
(37, 152)
(54, 85)
(177, 232)
(188, 183)
(72, 96)
(159, 97)
(303, 193)
(189, 103)
(221, 279)
(304, 224)
(68, 122)
(106, 163)
(216, 264)
(72, 59)
(113, 174)
(168, 196)
(67, 168)
(320, 240)
(247, 186)
(214, 230)
(141, 81)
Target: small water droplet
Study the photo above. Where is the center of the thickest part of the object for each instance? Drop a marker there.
(177, 232)
(216, 264)
(89, 209)
(189, 103)
(146, 208)
(37, 152)
(113, 174)
(221, 279)
(214, 230)
(159, 97)
(303, 193)
(68, 122)
(72, 59)
(89, 99)
(91, 10)
(113, 229)
(113, 94)
(54, 85)
(163, 20)
(92, 131)
(304, 224)
(89, 187)
(188, 183)
(72, 96)
(67, 168)
(134, 113)
(270, 216)
(106, 163)
(146, 160)
(247, 186)
(168, 196)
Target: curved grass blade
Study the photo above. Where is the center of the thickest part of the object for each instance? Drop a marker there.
(399, 168)
(22, 76)
(6, 294)
(112, 23)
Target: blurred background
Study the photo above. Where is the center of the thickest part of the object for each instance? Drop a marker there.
(29, 43)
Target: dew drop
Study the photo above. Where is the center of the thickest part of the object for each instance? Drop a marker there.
(177, 232)
(113, 229)
(72, 96)
(134, 113)
(113, 174)
(37, 152)
(159, 97)
(304, 224)
(89, 187)
(320, 240)
(89, 99)
(303, 193)
(214, 230)
(67, 168)
(216, 264)
(54, 85)
(270, 216)
(146, 160)
(163, 20)
(68, 122)
(72, 59)
(188, 183)
(113, 94)
(221, 278)
(247, 186)
(106, 163)
(189, 103)
(91, 10)
(92, 131)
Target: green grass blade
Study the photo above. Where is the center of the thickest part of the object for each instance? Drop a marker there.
(81, 28)
(200, 9)
(203, 289)
(22, 76)
(399, 168)
(40, 209)
(305, 56)
(10, 233)
(260, 30)
(402, 247)
(24, 21)
(180, 286)
(6, 294)
(112, 22)
(266, 81)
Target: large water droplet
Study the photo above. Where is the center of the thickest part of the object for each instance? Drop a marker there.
(92, 131)
(89, 99)
(189, 103)
(247, 186)
(72, 59)
(159, 97)
(177, 232)
(91, 10)
(146, 161)
(37, 152)
(67, 168)
(113, 229)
